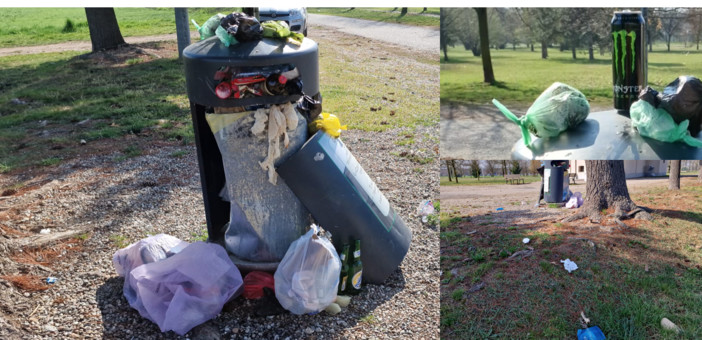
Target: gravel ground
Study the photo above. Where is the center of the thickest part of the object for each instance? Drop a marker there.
(159, 192)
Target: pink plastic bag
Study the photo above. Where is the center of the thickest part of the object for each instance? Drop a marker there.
(186, 289)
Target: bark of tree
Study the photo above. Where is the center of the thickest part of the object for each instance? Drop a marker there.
(104, 30)
(591, 53)
(606, 188)
(448, 169)
(403, 11)
(699, 173)
(489, 76)
(455, 172)
(674, 179)
(544, 50)
(574, 54)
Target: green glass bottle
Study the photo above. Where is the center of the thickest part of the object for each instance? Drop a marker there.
(343, 278)
(356, 270)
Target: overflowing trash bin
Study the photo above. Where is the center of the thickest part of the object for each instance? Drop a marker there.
(256, 111)
(554, 181)
(232, 90)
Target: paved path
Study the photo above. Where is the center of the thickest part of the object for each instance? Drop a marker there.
(421, 38)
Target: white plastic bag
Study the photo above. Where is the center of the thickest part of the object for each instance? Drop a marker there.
(186, 289)
(575, 201)
(151, 249)
(307, 278)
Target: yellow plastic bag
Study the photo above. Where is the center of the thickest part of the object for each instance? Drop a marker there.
(328, 123)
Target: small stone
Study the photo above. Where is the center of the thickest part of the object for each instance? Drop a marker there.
(50, 328)
(309, 330)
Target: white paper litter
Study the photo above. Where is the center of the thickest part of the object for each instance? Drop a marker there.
(569, 265)
(525, 240)
(45, 231)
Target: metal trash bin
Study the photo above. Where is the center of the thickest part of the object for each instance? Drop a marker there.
(203, 60)
(554, 173)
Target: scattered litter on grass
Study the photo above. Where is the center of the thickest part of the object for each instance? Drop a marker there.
(569, 265)
(525, 240)
(669, 325)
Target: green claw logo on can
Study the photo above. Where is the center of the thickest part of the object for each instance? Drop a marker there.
(620, 38)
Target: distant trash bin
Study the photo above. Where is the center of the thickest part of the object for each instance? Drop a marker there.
(554, 173)
(263, 219)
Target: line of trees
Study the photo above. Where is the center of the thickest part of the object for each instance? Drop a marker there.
(569, 28)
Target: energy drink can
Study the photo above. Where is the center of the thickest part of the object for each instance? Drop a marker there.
(629, 60)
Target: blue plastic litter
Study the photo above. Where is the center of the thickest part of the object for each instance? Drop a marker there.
(500, 209)
(51, 280)
(592, 333)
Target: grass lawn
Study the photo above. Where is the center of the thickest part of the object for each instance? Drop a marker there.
(627, 280)
(415, 15)
(40, 26)
(522, 75)
(467, 180)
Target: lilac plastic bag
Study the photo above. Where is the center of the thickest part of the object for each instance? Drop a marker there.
(186, 289)
(575, 201)
(151, 249)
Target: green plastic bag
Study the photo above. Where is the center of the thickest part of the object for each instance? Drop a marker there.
(224, 36)
(209, 27)
(557, 109)
(659, 124)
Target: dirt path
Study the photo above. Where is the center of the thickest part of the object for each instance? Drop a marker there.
(85, 45)
(413, 37)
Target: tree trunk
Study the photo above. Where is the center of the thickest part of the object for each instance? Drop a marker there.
(445, 49)
(544, 50)
(448, 169)
(606, 188)
(104, 30)
(591, 53)
(667, 43)
(532, 47)
(455, 172)
(674, 179)
(574, 55)
(403, 11)
(489, 76)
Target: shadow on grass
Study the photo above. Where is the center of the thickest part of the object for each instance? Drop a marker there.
(112, 96)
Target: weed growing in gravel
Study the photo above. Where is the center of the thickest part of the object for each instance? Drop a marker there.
(200, 235)
(120, 241)
(179, 154)
(83, 236)
(370, 318)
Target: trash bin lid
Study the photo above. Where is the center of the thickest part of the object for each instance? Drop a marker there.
(202, 59)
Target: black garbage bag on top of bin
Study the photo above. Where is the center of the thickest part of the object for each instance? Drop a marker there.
(682, 99)
(345, 201)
